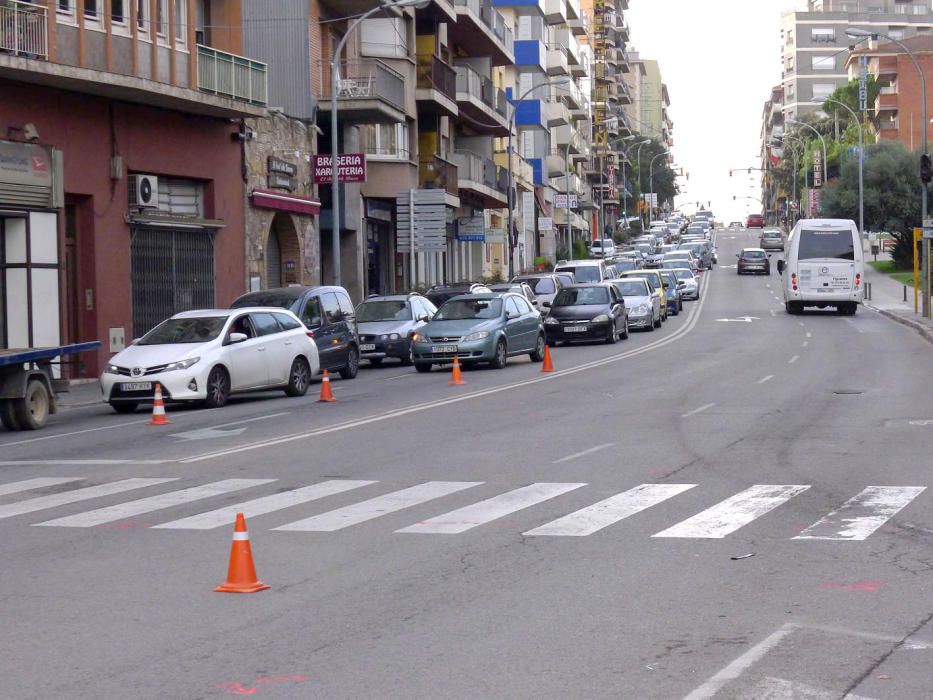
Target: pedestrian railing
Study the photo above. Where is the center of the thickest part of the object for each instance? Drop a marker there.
(24, 29)
(229, 75)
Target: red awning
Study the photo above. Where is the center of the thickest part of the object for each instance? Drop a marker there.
(269, 199)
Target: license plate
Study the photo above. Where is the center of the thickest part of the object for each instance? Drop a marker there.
(136, 386)
(444, 348)
(825, 290)
(367, 346)
(575, 329)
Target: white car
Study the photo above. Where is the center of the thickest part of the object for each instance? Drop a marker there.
(603, 248)
(208, 355)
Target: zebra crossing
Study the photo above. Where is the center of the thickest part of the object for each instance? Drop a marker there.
(855, 519)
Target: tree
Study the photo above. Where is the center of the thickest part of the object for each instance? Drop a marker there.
(892, 195)
(848, 95)
(665, 182)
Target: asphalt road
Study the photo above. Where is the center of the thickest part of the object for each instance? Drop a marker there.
(453, 550)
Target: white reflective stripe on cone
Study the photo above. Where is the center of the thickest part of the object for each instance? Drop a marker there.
(240, 536)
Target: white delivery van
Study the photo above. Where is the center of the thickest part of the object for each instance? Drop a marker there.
(823, 266)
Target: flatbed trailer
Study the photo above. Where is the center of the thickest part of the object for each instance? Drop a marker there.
(28, 387)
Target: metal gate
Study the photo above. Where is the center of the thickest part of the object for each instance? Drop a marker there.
(172, 271)
(273, 261)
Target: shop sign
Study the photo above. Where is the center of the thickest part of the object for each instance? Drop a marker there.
(545, 223)
(471, 229)
(282, 174)
(351, 167)
(24, 164)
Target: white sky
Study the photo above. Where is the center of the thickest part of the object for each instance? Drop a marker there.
(719, 59)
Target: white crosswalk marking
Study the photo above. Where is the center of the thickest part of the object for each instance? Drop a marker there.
(266, 504)
(121, 511)
(379, 506)
(466, 518)
(38, 483)
(60, 499)
(611, 510)
(860, 516)
(733, 513)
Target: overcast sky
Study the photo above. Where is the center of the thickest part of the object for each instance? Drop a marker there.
(719, 59)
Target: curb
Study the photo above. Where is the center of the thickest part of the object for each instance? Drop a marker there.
(925, 331)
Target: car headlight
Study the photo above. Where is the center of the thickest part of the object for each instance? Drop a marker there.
(181, 364)
(551, 321)
(478, 335)
(641, 309)
(393, 336)
(111, 369)
(419, 338)
(602, 318)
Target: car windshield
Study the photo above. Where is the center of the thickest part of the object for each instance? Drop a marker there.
(623, 265)
(465, 309)
(753, 254)
(771, 234)
(633, 288)
(671, 264)
(683, 274)
(584, 273)
(836, 244)
(540, 285)
(184, 330)
(396, 310)
(582, 296)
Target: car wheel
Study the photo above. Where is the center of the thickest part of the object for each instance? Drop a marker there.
(624, 335)
(423, 367)
(349, 370)
(299, 377)
(32, 410)
(8, 415)
(375, 361)
(656, 324)
(410, 358)
(537, 355)
(680, 306)
(790, 307)
(502, 355)
(124, 406)
(218, 388)
(613, 334)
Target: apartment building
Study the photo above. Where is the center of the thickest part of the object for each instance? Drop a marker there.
(121, 190)
(772, 130)
(898, 106)
(814, 44)
(654, 103)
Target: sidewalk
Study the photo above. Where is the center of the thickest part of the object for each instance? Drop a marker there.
(887, 298)
(84, 394)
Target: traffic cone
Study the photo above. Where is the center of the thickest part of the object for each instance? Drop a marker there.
(455, 378)
(547, 366)
(158, 408)
(326, 395)
(241, 574)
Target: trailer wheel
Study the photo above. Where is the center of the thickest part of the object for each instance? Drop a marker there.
(32, 410)
(7, 415)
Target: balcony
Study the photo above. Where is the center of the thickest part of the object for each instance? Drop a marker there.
(559, 183)
(579, 26)
(436, 87)
(557, 60)
(24, 29)
(621, 28)
(484, 105)
(887, 101)
(523, 171)
(556, 164)
(888, 128)
(555, 11)
(435, 173)
(887, 68)
(478, 180)
(483, 29)
(574, 95)
(573, 10)
(531, 53)
(367, 91)
(569, 136)
(558, 114)
(522, 6)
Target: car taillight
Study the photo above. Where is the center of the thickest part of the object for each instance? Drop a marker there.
(310, 334)
(793, 281)
(858, 279)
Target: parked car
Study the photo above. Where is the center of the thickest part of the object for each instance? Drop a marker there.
(701, 250)
(672, 289)
(210, 354)
(736, 224)
(440, 293)
(585, 270)
(545, 285)
(644, 308)
(690, 281)
(480, 328)
(656, 284)
(386, 324)
(685, 257)
(327, 313)
(587, 312)
(518, 288)
(755, 221)
(771, 239)
(753, 260)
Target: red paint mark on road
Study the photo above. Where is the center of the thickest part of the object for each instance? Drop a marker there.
(235, 688)
(852, 586)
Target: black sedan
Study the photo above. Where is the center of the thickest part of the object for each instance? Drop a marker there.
(587, 312)
(753, 260)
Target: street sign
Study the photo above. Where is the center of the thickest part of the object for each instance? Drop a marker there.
(818, 169)
(545, 223)
(560, 201)
(927, 233)
(863, 82)
(471, 229)
(351, 168)
(428, 229)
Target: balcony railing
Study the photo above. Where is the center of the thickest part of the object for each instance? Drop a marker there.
(492, 19)
(435, 173)
(475, 168)
(222, 73)
(482, 88)
(24, 29)
(434, 74)
(364, 79)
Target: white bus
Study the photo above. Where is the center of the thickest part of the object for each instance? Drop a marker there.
(823, 266)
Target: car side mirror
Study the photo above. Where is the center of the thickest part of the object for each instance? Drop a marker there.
(546, 304)
(780, 267)
(237, 337)
(422, 317)
(511, 314)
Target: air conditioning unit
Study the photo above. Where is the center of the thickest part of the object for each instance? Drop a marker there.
(144, 191)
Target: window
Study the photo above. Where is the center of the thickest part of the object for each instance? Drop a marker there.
(331, 307)
(162, 18)
(384, 36)
(823, 34)
(142, 18)
(311, 314)
(790, 63)
(265, 324)
(824, 63)
(826, 244)
(117, 12)
(385, 141)
(896, 33)
(511, 307)
(66, 7)
(822, 90)
(920, 8)
(900, 9)
(181, 22)
(287, 322)
(346, 306)
(90, 9)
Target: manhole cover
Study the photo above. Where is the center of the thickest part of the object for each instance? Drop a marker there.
(847, 392)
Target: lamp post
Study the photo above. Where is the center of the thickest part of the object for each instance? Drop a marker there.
(862, 34)
(516, 103)
(651, 184)
(794, 151)
(601, 218)
(334, 154)
(861, 155)
(638, 163)
(822, 140)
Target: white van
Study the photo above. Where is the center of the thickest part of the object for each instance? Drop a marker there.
(585, 271)
(823, 266)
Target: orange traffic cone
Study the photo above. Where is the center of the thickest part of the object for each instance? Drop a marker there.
(547, 366)
(326, 395)
(455, 378)
(241, 574)
(158, 408)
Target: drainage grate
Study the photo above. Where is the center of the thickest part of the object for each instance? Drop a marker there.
(847, 392)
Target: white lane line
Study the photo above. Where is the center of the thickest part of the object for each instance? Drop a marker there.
(805, 343)
(733, 513)
(432, 405)
(793, 359)
(765, 379)
(772, 312)
(81, 462)
(263, 505)
(60, 499)
(609, 511)
(809, 334)
(37, 483)
(471, 516)
(248, 420)
(702, 408)
(767, 285)
(575, 455)
(744, 662)
(801, 323)
(860, 516)
(114, 426)
(770, 688)
(130, 509)
(376, 507)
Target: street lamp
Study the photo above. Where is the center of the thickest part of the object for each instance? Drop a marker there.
(638, 162)
(601, 218)
(861, 35)
(822, 140)
(861, 156)
(651, 184)
(794, 152)
(334, 155)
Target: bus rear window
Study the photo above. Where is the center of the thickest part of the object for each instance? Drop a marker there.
(836, 244)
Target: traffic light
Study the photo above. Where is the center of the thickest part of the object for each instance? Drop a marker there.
(926, 168)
